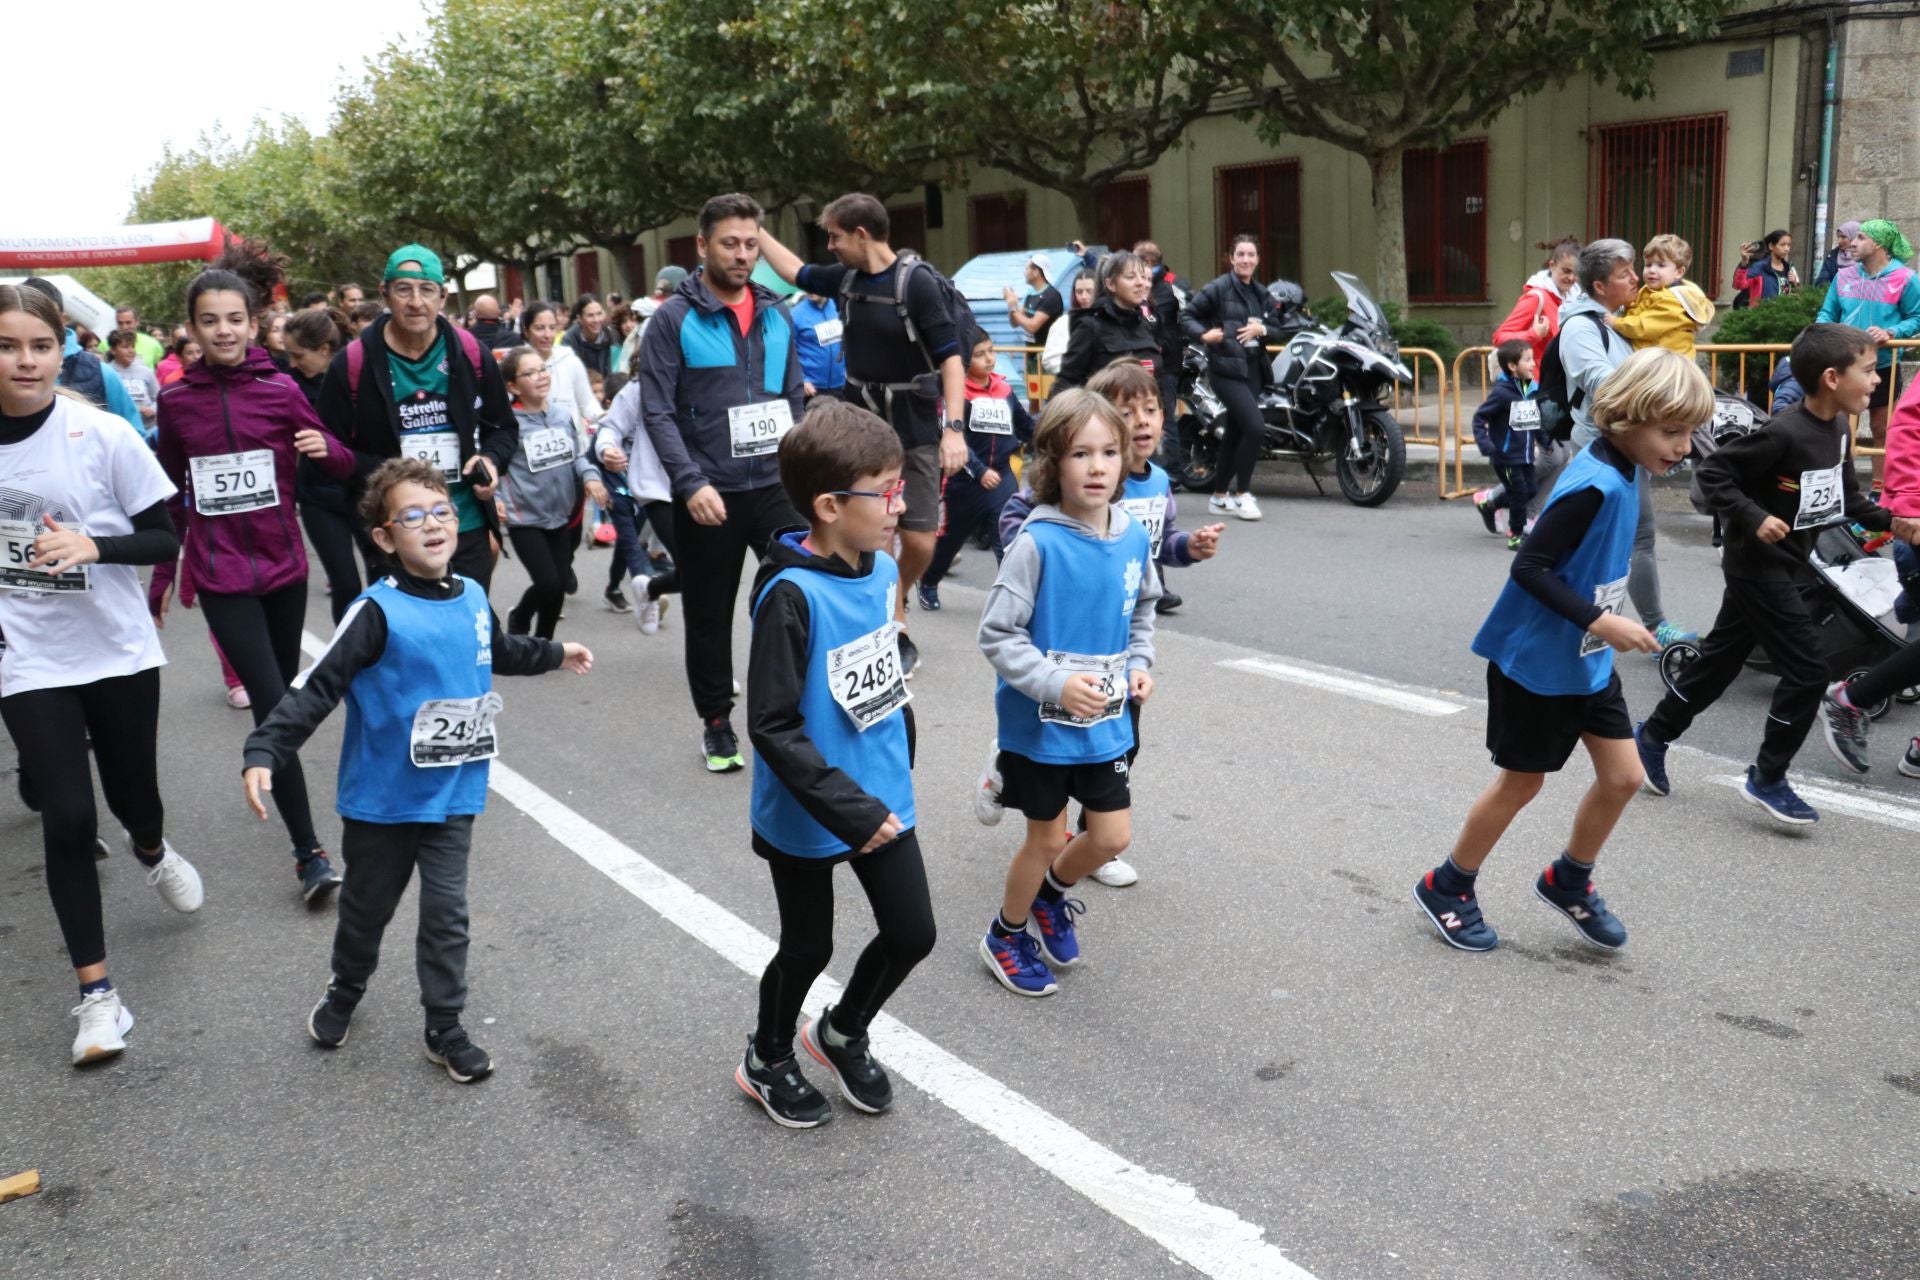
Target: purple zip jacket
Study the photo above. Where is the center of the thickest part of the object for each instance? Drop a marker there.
(229, 409)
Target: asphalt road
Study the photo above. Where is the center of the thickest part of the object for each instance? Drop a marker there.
(1267, 1064)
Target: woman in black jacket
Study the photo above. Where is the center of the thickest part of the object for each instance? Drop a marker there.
(1228, 316)
(1115, 327)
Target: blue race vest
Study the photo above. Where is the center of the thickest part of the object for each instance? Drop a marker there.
(436, 649)
(841, 611)
(1148, 499)
(1536, 647)
(1082, 618)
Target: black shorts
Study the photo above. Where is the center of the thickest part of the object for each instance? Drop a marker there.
(1886, 393)
(1530, 732)
(1041, 791)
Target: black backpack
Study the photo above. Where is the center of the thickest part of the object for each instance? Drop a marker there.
(964, 325)
(1557, 403)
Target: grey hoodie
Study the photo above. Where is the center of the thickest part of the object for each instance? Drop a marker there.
(1003, 623)
(1589, 351)
(543, 499)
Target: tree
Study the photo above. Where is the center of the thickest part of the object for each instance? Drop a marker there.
(1377, 79)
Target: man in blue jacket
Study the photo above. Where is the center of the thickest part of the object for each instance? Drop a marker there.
(721, 385)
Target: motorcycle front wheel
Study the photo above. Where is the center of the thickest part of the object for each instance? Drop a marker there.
(1370, 478)
(1196, 456)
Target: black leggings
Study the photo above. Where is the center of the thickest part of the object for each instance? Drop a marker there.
(332, 536)
(1246, 432)
(261, 637)
(1887, 678)
(660, 516)
(895, 881)
(50, 728)
(547, 556)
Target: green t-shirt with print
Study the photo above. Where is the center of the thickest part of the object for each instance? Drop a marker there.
(420, 389)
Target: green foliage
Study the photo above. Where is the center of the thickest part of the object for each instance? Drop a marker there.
(1778, 319)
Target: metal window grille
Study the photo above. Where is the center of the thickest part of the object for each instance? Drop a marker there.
(1661, 176)
(996, 224)
(1444, 202)
(907, 228)
(586, 272)
(1121, 216)
(683, 252)
(1263, 201)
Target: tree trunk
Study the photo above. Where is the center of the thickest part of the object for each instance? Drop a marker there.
(1086, 217)
(1389, 226)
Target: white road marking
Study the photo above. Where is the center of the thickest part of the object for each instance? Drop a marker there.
(1350, 684)
(1214, 1241)
(1854, 803)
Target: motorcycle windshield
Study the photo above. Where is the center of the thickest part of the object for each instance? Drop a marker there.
(1360, 304)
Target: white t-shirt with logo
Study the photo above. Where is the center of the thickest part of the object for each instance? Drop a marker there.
(89, 470)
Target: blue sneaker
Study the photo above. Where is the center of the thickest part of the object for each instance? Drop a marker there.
(1653, 761)
(1671, 633)
(1016, 962)
(1585, 909)
(929, 598)
(1779, 800)
(1456, 916)
(1053, 918)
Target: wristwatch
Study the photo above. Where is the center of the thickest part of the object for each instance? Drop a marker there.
(956, 424)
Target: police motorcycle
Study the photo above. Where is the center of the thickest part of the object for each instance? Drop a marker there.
(1326, 404)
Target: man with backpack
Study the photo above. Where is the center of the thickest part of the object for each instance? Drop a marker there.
(906, 340)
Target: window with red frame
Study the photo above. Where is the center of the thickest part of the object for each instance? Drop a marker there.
(1263, 201)
(1120, 213)
(996, 224)
(586, 272)
(1661, 176)
(1444, 203)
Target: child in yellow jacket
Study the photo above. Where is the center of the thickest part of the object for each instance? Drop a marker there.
(1670, 308)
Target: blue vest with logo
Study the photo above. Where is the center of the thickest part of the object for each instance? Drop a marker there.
(839, 610)
(1084, 605)
(435, 649)
(1149, 498)
(1536, 647)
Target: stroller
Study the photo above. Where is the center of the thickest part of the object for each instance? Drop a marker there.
(1733, 417)
(1852, 600)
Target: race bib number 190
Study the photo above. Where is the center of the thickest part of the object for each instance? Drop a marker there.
(758, 428)
(866, 678)
(16, 550)
(452, 731)
(1109, 669)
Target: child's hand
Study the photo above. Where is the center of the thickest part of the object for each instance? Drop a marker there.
(889, 832)
(258, 779)
(1542, 327)
(598, 492)
(1906, 529)
(1772, 529)
(989, 479)
(310, 443)
(1624, 635)
(1084, 696)
(159, 609)
(60, 549)
(1140, 686)
(1204, 542)
(613, 458)
(578, 659)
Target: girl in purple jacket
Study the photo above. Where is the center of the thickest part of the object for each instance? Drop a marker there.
(231, 432)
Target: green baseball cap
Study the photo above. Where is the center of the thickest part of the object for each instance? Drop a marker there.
(429, 268)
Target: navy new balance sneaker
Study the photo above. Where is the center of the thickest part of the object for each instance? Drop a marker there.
(1585, 909)
(1653, 760)
(1778, 800)
(1456, 916)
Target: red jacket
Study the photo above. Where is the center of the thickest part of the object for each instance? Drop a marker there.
(1902, 492)
(1539, 297)
(225, 409)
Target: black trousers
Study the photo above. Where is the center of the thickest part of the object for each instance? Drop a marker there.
(1887, 677)
(1246, 432)
(547, 556)
(50, 729)
(1752, 611)
(261, 637)
(710, 557)
(332, 535)
(969, 507)
(380, 859)
(895, 881)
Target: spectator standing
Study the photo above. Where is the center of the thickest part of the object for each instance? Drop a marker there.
(823, 357)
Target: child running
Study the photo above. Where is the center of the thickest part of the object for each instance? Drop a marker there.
(997, 426)
(832, 752)
(1774, 489)
(1669, 309)
(1505, 426)
(542, 492)
(82, 502)
(1549, 644)
(233, 430)
(414, 659)
(1068, 628)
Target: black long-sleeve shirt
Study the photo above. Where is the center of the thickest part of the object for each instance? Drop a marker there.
(1560, 529)
(358, 642)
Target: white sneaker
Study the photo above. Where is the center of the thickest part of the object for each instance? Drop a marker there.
(178, 883)
(1117, 874)
(1245, 507)
(104, 1023)
(1219, 506)
(986, 792)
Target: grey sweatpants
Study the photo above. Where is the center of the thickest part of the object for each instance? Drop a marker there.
(380, 859)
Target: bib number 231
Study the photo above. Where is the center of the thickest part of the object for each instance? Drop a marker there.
(453, 731)
(866, 678)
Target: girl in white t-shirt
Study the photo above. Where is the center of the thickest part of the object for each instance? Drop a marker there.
(82, 502)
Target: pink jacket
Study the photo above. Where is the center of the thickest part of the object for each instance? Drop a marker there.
(1902, 492)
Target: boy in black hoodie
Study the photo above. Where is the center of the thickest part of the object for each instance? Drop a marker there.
(1773, 491)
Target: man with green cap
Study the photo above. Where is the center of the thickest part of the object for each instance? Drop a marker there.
(413, 384)
(1881, 294)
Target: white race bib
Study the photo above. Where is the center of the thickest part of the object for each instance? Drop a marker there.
(1524, 416)
(226, 484)
(439, 449)
(992, 417)
(1820, 500)
(865, 677)
(16, 549)
(547, 448)
(1151, 513)
(1111, 669)
(1609, 596)
(1731, 415)
(757, 428)
(827, 332)
(451, 731)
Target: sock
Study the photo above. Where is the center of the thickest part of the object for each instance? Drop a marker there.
(1004, 928)
(1449, 879)
(837, 1038)
(95, 987)
(1842, 696)
(1051, 889)
(149, 860)
(1569, 875)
